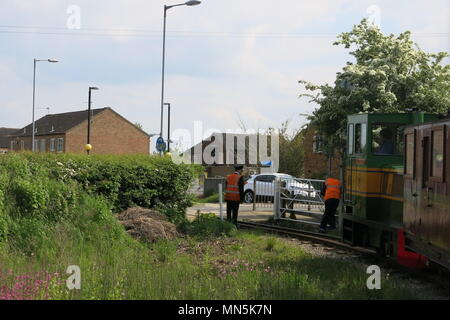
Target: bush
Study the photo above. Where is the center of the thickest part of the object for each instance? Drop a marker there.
(47, 196)
(125, 181)
(207, 226)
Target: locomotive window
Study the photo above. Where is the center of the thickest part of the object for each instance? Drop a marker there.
(437, 163)
(360, 137)
(363, 137)
(410, 154)
(387, 139)
(350, 139)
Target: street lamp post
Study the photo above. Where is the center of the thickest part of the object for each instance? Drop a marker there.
(88, 144)
(34, 95)
(168, 126)
(188, 3)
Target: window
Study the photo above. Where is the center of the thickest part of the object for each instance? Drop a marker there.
(317, 144)
(387, 139)
(36, 145)
(350, 139)
(360, 137)
(52, 145)
(266, 178)
(60, 144)
(22, 145)
(410, 153)
(363, 137)
(42, 145)
(437, 160)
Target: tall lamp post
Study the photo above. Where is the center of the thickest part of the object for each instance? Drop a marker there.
(88, 143)
(187, 3)
(35, 61)
(168, 126)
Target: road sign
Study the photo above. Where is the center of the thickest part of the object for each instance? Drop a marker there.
(160, 144)
(160, 140)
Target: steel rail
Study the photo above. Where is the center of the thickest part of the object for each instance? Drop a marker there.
(307, 235)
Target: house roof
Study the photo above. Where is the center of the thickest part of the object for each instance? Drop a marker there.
(210, 139)
(61, 123)
(56, 123)
(4, 136)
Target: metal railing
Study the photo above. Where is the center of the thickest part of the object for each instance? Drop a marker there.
(295, 195)
(263, 194)
(299, 197)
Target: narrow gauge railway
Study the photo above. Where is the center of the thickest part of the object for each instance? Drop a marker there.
(325, 239)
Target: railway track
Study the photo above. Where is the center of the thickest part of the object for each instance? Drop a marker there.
(315, 237)
(433, 275)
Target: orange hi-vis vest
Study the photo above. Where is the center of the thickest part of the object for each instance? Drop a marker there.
(333, 189)
(232, 189)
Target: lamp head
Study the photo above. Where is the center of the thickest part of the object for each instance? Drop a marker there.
(93, 88)
(192, 3)
(53, 60)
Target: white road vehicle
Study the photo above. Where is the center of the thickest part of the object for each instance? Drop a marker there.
(265, 188)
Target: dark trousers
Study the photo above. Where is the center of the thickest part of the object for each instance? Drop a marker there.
(330, 210)
(232, 211)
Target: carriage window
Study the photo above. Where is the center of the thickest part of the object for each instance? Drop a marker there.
(437, 164)
(410, 154)
(350, 139)
(387, 139)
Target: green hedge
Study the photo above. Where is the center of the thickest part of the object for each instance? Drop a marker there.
(47, 188)
(124, 181)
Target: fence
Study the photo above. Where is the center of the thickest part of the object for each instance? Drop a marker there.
(300, 197)
(290, 195)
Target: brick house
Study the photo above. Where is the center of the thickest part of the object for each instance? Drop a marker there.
(316, 163)
(5, 138)
(67, 132)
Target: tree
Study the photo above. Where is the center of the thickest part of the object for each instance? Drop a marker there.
(390, 74)
(291, 150)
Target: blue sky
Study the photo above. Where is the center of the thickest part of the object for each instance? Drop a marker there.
(226, 60)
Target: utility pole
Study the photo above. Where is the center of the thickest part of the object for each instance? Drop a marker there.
(88, 146)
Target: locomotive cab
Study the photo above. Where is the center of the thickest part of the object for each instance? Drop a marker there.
(373, 178)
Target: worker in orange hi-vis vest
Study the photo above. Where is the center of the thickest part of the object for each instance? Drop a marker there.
(234, 193)
(331, 193)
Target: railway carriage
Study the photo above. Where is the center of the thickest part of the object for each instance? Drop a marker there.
(427, 190)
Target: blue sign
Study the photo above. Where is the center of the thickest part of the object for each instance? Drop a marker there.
(160, 144)
(160, 140)
(266, 163)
